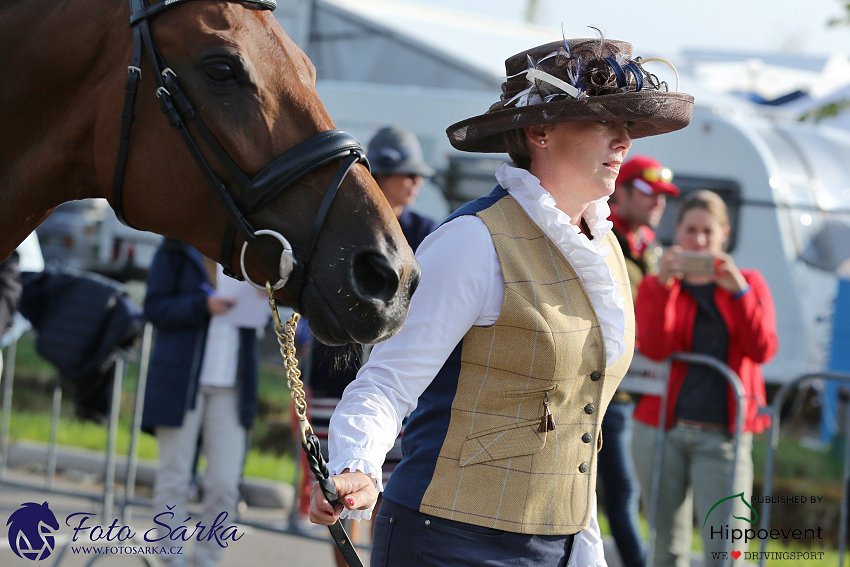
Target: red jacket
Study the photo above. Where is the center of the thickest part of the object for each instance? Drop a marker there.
(665, 321)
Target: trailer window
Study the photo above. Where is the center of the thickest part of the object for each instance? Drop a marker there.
(468, 177)
(828, 244)
(729, 191)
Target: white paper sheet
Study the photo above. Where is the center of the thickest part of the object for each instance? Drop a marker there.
(252, 305)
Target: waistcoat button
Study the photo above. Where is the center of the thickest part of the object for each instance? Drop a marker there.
(583, 468)
(427, 522)
(587, 437)
(595, 375)
(589, 408)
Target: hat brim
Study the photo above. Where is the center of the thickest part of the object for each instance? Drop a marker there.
(659, 187)
(666, 188)
(651, 112)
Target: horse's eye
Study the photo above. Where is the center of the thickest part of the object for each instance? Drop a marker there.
(220, 72)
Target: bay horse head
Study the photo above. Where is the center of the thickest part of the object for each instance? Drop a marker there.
(246, 165)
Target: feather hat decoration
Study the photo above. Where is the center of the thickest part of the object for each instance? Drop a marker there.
(576, 80)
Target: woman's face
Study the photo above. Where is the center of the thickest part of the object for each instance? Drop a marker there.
(700, 231)
(589, 155)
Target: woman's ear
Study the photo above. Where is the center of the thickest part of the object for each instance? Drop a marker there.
(536, 134)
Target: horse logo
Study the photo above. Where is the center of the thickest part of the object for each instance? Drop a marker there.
(30, 531)
(747, 504)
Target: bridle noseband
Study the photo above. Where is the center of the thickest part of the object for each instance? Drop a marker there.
(257, 192)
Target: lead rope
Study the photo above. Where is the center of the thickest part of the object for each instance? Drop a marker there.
(285, 333)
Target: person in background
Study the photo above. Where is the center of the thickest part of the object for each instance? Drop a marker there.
(639, 200)
(638, 204)
(518, 334)
(726, 313)
(10, 295)
(398, 166)
(202, 382)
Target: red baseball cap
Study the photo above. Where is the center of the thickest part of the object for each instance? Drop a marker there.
(648, 176)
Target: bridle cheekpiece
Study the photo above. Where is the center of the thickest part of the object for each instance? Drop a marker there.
(256, 192)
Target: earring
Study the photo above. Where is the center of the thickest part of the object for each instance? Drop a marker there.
(542, 142)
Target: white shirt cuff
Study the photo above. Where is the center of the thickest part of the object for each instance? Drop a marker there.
(347, 460)
(587, 544)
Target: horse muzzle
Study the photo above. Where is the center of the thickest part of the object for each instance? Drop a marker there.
(372, 304)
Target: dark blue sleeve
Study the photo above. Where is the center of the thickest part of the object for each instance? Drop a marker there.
(168, 304)
(416, 227)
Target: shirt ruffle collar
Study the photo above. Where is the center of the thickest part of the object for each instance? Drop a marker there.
(587, 257)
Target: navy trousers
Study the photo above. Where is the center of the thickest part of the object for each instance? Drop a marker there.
(619, 480)
(408, 538)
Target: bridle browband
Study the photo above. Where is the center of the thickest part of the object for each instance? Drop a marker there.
(257, 192)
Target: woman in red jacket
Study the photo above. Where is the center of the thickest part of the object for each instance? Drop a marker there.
(728, 315)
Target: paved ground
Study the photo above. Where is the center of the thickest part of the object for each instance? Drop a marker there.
(256, 547)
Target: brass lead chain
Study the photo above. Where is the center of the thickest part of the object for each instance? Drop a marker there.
(286, 339)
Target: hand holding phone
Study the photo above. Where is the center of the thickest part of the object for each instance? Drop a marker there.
(678, 262)
(701, 263)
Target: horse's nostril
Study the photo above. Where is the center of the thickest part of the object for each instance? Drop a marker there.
(413, 281)
(374, 276)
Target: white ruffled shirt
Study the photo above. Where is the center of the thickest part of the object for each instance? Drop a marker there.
(461, 287)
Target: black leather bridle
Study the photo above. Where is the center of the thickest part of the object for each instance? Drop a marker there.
(257, 192)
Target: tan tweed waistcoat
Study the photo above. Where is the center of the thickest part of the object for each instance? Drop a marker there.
(496, 469)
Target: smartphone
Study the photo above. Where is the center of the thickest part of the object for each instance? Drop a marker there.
(698, 263)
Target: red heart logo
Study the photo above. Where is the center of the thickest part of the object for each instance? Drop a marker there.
(736, 554)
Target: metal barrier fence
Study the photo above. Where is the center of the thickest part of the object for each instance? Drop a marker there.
(735, 382)
(108, 498)
(770, 457)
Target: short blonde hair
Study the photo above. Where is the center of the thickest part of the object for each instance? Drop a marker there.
(517, 144)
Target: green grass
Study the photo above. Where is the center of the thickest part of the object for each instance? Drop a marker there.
(29, 363)
(32, 398)
(793, 461)
(35, 426)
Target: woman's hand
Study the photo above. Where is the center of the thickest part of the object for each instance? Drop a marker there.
(671, 266)
(218, 305)
(729, 277)
(356, 492)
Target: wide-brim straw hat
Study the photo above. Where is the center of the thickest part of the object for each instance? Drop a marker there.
(576, 80)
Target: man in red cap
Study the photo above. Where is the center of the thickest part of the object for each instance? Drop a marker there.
(640, 197)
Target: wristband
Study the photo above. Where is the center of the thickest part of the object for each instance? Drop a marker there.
(742, 293)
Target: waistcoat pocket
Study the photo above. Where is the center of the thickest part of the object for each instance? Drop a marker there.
(513, 440)
(529, 391)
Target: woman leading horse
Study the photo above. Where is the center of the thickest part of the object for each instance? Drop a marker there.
(519, 334)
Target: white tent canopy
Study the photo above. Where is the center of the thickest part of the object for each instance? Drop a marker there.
(386, 42)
